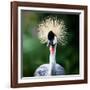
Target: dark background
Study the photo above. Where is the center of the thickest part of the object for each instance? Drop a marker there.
(35, 54)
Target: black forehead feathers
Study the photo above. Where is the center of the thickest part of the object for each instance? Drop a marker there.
(51, 35)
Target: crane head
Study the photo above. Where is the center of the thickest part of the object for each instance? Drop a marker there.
(52, 39)
(52, 31)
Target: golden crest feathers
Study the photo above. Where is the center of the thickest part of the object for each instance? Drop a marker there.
(56, 26)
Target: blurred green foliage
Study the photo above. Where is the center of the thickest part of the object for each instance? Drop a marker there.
(35, 54)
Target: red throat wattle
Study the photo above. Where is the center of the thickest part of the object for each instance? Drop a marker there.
(52, 50)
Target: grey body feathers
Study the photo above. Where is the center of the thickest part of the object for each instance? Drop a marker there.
(43, 70)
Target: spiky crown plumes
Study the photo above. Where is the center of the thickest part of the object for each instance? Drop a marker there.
(54, 25)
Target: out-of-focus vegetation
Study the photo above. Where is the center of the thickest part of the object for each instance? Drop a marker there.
(34, 53)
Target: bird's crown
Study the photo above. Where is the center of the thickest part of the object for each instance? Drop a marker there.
(52, 26)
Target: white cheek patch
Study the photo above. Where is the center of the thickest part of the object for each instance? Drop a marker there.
(55, 40)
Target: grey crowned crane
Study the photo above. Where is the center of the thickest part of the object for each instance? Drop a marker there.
(51, 31)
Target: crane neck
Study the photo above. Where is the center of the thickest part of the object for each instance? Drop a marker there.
(52, 59)
(52, 53)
